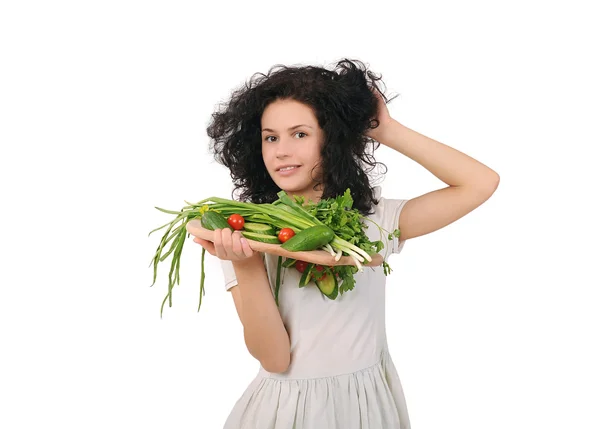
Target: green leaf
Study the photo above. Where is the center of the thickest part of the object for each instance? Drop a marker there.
(386, 268)
(378, 246)
(169, 211)
(201, 278)
(278, 281)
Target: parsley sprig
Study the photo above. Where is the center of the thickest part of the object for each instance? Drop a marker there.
(349, 224)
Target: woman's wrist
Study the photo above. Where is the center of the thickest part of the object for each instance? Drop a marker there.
(252, 261)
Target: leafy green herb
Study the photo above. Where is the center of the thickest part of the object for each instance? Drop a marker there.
(347, 222)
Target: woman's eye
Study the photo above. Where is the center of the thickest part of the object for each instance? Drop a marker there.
(268, 137)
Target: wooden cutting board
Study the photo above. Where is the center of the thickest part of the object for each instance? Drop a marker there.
(321, 257)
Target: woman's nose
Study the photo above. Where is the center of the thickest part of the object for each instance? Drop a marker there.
(284, 148)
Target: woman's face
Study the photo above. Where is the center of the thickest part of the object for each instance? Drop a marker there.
(291, 147)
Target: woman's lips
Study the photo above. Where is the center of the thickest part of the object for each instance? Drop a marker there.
(288, 171)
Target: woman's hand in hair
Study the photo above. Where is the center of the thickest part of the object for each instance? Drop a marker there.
(383, 116)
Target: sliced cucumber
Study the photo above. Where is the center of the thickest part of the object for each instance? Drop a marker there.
(328, 286)
(289, 262)
(259, 228)
(270, 239)
(306, 278)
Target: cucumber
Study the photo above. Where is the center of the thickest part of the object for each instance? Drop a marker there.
(213, 220)
(270, 239)
(328, 286)
(259, 228)
(306, 278)
(289, 262)
(309, 239)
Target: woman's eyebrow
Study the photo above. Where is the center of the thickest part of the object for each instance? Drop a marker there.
(289, 129)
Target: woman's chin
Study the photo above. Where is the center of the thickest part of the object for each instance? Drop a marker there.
(289, 185)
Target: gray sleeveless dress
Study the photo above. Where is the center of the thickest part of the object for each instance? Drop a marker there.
(341, 375)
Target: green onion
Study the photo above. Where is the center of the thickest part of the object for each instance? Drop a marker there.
(202, 278)
(278, 281)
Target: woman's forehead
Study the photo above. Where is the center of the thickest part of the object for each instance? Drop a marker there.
(285, 115)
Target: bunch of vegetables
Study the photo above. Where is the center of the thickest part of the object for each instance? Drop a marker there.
(330, 224)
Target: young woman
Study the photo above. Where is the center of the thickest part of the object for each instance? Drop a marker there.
(307, 130)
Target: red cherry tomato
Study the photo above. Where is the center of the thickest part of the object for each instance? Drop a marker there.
(336, 273)
(301, 266)
(236, 221)
(320, 269)
(285, 234)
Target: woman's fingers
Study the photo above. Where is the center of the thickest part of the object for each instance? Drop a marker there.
(209, 246)
(246, 247)
(226, 237)
(227, 245)
(241, 247)
(218, 242)
(236, 245)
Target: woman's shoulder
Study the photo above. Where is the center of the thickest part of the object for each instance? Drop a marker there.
(387, 216)
(385, 206)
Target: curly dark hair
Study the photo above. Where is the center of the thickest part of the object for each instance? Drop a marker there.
(344, 106)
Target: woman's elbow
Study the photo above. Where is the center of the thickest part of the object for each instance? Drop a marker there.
(277, 365)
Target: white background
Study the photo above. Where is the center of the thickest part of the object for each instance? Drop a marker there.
(492, 321)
